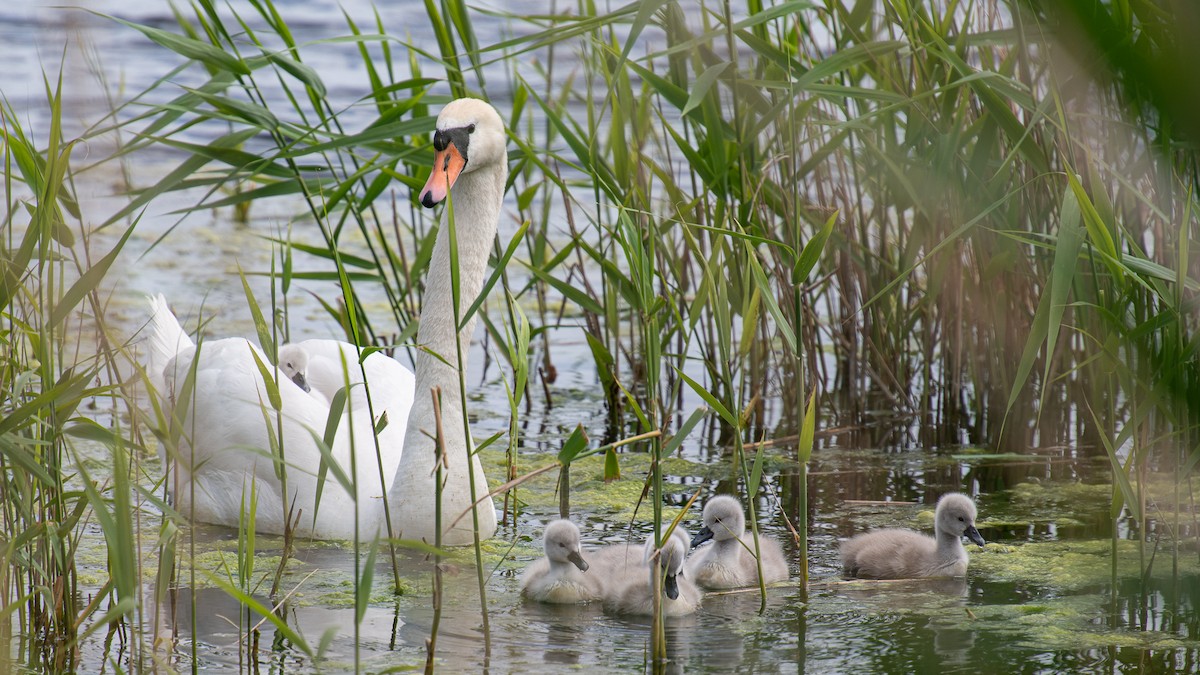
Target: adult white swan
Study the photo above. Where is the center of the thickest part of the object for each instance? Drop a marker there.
(228, 422)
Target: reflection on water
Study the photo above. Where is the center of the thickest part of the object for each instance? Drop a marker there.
(523, 634)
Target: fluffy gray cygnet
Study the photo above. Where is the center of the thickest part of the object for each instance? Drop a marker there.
(561, 577)
(905, 554)
(636, 596)
(730, 562)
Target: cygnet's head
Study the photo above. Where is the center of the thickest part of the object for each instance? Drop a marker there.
(561, 542)
(723, 519)
(293, 361)
(956, 515)
(670, 561)
(681, 533)
(469, 135)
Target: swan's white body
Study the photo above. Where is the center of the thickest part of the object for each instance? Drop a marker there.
(228, 423)
(227, 438)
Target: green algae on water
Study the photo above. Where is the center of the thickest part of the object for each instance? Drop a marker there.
(1068, 623)
(615, 501)
(1066, 566)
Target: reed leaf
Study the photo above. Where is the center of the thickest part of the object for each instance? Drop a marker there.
(190, 48)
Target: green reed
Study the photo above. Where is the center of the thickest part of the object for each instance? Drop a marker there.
(816, 129)
(952, 253)
(55, 357)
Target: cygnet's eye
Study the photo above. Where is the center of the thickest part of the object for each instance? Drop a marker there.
(960, 519)
(470, 128)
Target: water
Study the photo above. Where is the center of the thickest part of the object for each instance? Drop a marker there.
(1037, 598)
(1034, 597)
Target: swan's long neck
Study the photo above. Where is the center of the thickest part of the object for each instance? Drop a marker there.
(476, 199)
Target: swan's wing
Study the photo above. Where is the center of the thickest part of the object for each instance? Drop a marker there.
(231, 429)
(331, 363)
(229, 421)
(166, 339)
(399, 381)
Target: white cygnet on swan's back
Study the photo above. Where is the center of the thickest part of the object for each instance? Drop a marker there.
(560, 576)
(293, 362)
(631, 590)
(322, 373)
(730, 561)
(905, 554)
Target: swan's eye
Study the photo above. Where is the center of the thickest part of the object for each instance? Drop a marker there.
(470, 128)
(960, 519)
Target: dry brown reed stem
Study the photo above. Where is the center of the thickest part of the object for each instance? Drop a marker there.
(500, 489)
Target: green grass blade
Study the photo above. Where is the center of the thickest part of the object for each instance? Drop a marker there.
(203, 52)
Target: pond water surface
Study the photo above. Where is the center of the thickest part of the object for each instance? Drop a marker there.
(1037, 598)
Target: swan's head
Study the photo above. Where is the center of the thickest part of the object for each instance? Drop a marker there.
(956, 515)
(723, 519)
(469, 135)
(561, 542)
(293, 361)
(670, 561)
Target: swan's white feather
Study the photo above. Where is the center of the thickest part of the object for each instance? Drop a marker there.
(167, 338)
(229, 424)
(227, 438)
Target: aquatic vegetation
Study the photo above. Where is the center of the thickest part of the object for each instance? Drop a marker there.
(1058, 497)
(591, 494)
(1068, 566)
(1063, 623)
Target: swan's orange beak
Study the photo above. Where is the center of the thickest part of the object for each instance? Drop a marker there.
(447, 164)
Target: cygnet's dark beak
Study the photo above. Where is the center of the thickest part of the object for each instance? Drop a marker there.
(298, 378)
(702, 536)
(671, 587)
(973, 535)
(577, 560)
